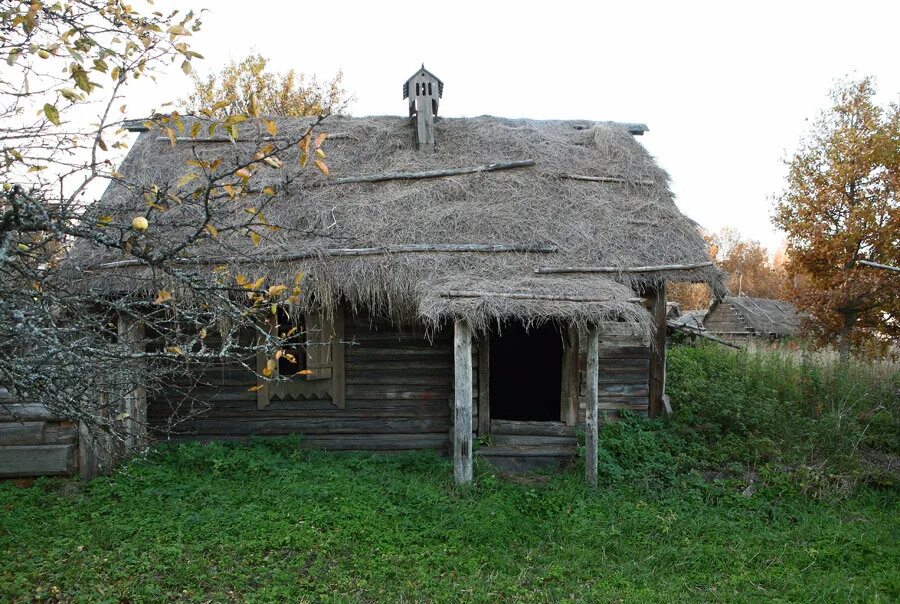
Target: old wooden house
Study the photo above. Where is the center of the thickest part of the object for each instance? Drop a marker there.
(489, 278)
(745, 317)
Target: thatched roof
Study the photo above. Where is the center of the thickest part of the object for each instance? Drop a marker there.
(626, 222)
(761, 316)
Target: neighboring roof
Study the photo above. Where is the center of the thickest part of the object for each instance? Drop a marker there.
(627, 218)
(760, 316)
(690, 318)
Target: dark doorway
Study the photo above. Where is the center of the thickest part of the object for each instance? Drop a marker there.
(526, 373)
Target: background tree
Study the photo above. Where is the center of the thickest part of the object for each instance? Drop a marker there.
(288, 94)
(750, 271)
(63, 75)
(840, 206)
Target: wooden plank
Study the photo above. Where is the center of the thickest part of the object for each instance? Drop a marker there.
(321, 425)
(507, 165)
(37, 433)
(37, 460)
(462, 409)
(566, 450)
(658, 351)
(591, 433)
(570, 378)
(23, 412)
(343, 442)
(134, 397)
(533, 440)
(512, 427)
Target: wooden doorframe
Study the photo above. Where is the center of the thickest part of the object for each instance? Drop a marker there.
(570, 394)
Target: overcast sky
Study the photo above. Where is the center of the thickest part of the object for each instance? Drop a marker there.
(726, 88)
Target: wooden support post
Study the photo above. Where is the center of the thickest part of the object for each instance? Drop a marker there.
(571, 387)
(657, 351)
(134, 395)
(462, 407)
(591, 440)
(88, 464)
(484, 386)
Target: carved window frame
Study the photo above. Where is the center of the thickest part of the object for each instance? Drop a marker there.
(324, 350)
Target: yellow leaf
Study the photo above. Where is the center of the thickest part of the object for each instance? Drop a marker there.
(187, 178)
(256, 388)
(268, 190)
(195, 130)
(202, 333)
(320, 153)
(323, 168)
(304, 159)
(276, 289)
(213, 231)
(175, 350)
(320, 139)
(162, 296)
(104, 220)
(267, 372)
(244, 173)
(170, 132)
(186, 67)
(255, 238)
(240, 279)
(270, 364)
(254, 106)
(273, 162)
(305, 372)
(304, 143)
(229, 189)
(271, 127)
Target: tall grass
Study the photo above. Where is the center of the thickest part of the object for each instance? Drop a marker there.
(798, 412)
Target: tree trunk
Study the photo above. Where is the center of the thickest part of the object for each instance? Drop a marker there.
(844, 344)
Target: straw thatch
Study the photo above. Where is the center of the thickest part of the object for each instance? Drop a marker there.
(753, 316)
(625, 219)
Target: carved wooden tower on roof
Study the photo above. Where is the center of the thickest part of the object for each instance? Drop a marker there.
(424, 91)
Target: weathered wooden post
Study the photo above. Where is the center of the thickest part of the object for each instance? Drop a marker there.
(590, 415)
(134, 396)
(462, 407)
(657, 351)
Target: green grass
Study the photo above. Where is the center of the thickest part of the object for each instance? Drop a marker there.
(267, 522)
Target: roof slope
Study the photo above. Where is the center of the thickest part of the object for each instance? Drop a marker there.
(627, 223)
(761, 316)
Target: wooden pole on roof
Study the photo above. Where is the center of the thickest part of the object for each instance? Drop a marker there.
(462, 402)
(591, 441)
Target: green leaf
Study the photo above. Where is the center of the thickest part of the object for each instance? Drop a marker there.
(52, 113)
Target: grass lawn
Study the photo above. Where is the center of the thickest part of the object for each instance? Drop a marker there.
(269, 523)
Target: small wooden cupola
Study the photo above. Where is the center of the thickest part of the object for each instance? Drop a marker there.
(424, 91)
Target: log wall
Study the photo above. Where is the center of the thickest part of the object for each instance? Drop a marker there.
(399, 394)
(33, 442)
(399, 388)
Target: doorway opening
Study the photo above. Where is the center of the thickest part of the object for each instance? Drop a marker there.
(526, 373)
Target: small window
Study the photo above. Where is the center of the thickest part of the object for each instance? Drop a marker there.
(310, 363)
(429, 88)
(292, 356)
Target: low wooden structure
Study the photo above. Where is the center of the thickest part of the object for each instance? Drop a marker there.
(743, 317)
(34, 441)
(499, 282)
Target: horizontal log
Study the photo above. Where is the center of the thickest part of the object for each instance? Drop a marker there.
(490, 248)
(354, 442)
(461, 293)
(426, 174)
(886, 267)
(307, 426)
(547, 270)
(528, 451)
(37, 460)
(16, 412)
(609, 179)
(502, 440)
(512, 427)
(37, 433)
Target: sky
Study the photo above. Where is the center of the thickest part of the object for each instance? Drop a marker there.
(726, 88)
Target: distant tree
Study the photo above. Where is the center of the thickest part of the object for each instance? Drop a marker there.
(247, 81)
(840, 206)
(750, 271)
